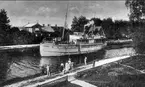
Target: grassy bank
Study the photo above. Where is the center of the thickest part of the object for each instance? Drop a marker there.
(125, 73)
(137, 62)
(113, 75)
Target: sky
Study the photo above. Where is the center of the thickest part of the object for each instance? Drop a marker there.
(53, 12)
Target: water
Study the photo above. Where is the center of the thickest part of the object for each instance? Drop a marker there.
(24, 63)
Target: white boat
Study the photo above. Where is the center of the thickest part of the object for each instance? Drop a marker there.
(50, 49)
(77, 44)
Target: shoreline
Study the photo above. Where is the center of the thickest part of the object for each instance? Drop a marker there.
(110, 42)
(81, 68)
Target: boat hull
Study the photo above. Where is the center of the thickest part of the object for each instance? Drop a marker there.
(50, 49)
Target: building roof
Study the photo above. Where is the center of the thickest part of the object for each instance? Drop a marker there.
(47, 29)
(31, 24)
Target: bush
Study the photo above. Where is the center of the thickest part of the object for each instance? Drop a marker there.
(23, 37)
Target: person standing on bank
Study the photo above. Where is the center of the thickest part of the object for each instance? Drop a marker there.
(42, 68)
(85, 60)
(61, 67)
(69, 63)
(67, 67)
(48, 70)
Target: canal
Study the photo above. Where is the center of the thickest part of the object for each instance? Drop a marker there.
(17, 64)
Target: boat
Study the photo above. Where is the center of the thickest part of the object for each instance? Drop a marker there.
(78, 43)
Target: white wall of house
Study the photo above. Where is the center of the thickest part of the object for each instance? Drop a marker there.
(30, 30)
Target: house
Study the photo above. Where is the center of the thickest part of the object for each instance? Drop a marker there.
(58, 30)
(32, 27)
(47, 31)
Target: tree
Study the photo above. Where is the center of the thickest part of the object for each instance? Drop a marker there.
(78, 23)
(137, 9)
(4, 20)
(4, 27)
(97, 21)
(14, 29)
(107, 26)
(120, 29)
(136, 16)
(22, 37)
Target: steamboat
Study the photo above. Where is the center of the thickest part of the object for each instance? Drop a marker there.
(78, 43)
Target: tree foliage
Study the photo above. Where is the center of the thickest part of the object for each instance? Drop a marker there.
(113, 29)
(97, 21)
(137, 9)
(107, 25)
(119, 27)
(4, 20)
(4, 28)
(137, 14)
(78, 23)
(22, 37)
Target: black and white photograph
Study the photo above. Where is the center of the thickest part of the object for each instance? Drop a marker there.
(72, 43)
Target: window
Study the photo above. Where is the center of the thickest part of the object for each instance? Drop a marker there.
(36, 29)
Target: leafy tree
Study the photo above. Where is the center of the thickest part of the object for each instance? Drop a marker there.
(137, 14)
(23, 37)
(137, 9)
(97, 21)
(4, 20)
(120, 28)
(14, 29)
(107, 26)
(4, 27)
(78, 23)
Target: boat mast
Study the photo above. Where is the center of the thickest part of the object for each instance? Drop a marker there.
(65, 23)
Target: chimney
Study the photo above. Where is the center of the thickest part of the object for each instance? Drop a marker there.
(43, 25)
(48, 25)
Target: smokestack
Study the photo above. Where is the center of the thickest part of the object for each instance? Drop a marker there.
(48, 24)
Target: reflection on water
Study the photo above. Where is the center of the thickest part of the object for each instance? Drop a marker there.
(77, 59)
(4, 64)
(21, 64)
(16, 63)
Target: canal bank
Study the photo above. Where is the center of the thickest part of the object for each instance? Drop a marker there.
(114, 74)
(24, 65)
(69, 76)
(32, 59)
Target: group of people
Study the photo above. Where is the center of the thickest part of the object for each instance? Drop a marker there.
(64, 68)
